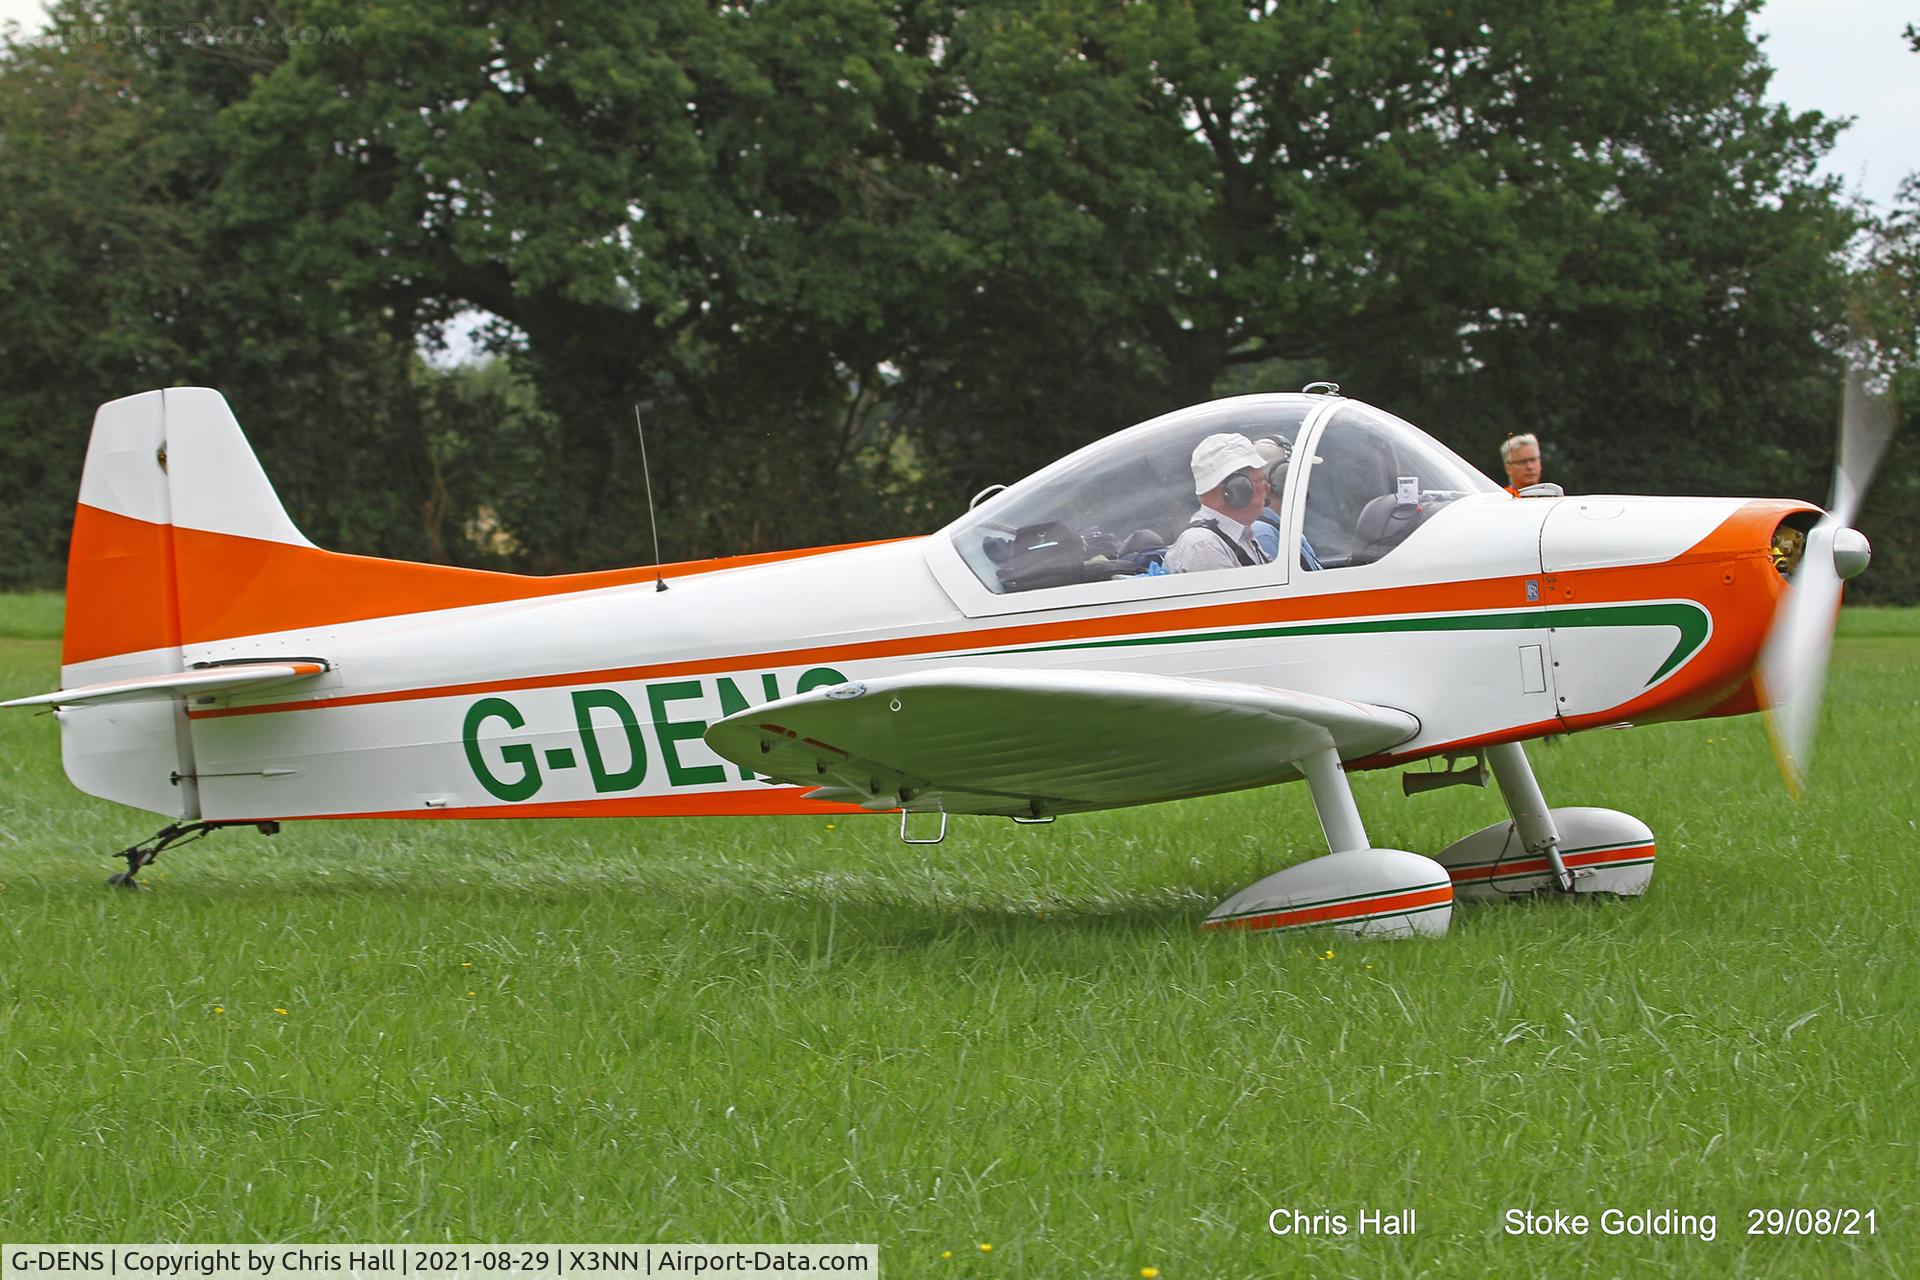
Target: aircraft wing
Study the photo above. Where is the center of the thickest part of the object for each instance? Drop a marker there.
(203, 682)
(1037, 743)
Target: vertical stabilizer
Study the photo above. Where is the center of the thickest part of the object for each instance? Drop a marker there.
(159, 465)
(215, 482)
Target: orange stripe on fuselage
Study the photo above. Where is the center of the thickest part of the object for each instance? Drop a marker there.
(120, 597)
(765, 801)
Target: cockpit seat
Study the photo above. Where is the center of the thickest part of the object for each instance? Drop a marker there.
(1142, 551)
(1383, 525)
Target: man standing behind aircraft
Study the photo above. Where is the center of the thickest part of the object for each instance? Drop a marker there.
(1521, 454)
(1230, 479)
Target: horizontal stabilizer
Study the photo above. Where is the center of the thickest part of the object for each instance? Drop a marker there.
(205, 682)
(1037, 743)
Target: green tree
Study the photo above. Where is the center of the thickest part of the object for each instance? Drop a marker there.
(692, 208)
(89, 286)
(855, 260)
(117, 275)
(1887, 316)
(1491, 216)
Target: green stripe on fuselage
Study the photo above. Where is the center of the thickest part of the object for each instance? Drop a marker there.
(1691, 620)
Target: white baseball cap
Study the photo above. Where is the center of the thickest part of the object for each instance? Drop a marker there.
(1219, 456)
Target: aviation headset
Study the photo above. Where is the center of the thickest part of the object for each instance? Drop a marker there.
(1238, 490)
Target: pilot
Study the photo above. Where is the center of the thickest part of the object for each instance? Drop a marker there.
(1230, 479)
(1521, 454)
(1277, 454)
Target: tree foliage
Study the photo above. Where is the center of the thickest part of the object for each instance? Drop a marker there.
(1887, 319)
(118, 277)
(91, 285)
(854, 260)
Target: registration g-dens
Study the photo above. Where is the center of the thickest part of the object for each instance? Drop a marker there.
(159, 1261)
(1029, 661)
(165, 1262)
(56, 1261)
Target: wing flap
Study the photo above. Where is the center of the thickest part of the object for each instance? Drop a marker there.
(1035, 743)
(203, 682)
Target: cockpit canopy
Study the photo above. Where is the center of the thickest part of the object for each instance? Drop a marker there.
(1111, 509)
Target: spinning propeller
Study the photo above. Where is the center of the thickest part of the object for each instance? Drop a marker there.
(1792, 671)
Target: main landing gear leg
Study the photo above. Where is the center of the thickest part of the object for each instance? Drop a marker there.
(1355, 888)
(1333, 802)
(176, 833)
(1538, 834)
(1571, 850)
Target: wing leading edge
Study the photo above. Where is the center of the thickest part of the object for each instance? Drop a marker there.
(1038, 743)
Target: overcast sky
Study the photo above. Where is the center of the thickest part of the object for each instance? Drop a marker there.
(1843, 57)
(1847, 58)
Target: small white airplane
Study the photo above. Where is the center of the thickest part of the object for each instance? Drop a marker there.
(1032, 659)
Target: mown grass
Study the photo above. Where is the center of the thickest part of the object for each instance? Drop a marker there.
(798, 1029)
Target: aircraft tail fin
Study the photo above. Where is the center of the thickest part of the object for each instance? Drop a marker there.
(157, 463)
(161, 466)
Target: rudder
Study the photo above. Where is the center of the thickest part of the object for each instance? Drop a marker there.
(156, 463)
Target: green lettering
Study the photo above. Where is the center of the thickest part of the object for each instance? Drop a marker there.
(817, 678)
(673, 732)
(517, 753)
(585, 703)
(731, 702)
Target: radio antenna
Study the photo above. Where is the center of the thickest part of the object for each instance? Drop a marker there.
(659, 581)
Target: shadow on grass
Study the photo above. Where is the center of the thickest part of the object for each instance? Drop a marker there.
(849, 913)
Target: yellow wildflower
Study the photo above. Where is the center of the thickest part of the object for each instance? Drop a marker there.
(282, 1012)
(986, 1248)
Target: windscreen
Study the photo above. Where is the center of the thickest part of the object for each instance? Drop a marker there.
(1374, 480)
(1106, 511)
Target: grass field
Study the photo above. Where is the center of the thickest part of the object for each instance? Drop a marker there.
(799, 1029)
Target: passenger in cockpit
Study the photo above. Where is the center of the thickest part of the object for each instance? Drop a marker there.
(1230, 479)
(1277, 454)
